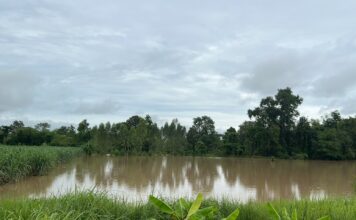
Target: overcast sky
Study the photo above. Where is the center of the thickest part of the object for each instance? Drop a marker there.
(63, 61)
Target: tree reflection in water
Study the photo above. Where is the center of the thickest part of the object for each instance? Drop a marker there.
(244, 179)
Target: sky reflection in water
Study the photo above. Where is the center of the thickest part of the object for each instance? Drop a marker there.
(244, 179)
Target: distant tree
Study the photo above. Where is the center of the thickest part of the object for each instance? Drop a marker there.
(333, 120)
(64, 130)
(173, 137)
(4, 133)
(247, 137)
(83, 132)
(25, 136)
(134, 121)
(278, 114)
(231, 144)
(101, 138)
(43, 126)
(16, 125)
(203, 132)
(305, 137)
(333, 142)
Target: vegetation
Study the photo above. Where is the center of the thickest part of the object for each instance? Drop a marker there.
(275, 129)
(185, 211)
(19, 162)
(98, 206)
(284, 215)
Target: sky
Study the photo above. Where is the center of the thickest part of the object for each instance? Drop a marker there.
(64, 61)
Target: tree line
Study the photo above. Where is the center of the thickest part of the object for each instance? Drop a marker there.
(275, 129)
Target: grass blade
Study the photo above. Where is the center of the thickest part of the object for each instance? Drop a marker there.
(273, 212)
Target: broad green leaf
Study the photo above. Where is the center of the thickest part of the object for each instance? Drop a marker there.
(183, 203)
(161, 205)
(325, 218)
(233, 215)
(195, 206)
(196, 217)
(183, 207)
(294, 215)
(179, 210)
(205, 212)
(273, 212)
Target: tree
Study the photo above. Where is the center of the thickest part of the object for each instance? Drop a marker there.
(333, 120)
(231, 144)
(4, 133)
(25, 136)
(305, 137)
(203, 132)
(173, 137)
(17, 124)
(43, 126)
(247, 137)
(83, 132)
(287, 104)
(101, 138)
(334, 141)
(278, 113)
(134, 121)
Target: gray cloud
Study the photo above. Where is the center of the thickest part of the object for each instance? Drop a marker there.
(172, 59)
(17, 90)
(89, 107)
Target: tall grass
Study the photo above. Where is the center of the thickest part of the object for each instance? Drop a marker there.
(19, 162)
(88, 205)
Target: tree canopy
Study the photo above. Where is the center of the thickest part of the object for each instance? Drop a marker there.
(275, 129)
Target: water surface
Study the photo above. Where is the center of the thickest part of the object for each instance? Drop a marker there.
(242, 179)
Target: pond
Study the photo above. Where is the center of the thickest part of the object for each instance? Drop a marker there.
(244, 179)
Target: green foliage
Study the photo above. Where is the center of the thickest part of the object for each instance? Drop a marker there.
(231, 145)
(286, 216)
(202, 137)
(88, 149)
(185, 211)
(19, 162)
(233, 215)
(276, 118)
(88, 205)
(273, 131)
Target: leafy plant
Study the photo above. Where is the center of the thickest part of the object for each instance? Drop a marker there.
(183, 210)
(285, 215)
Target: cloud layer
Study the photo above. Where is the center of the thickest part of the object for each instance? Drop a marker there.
(68, 60)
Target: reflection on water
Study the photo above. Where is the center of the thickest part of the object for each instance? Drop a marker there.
(244, 179)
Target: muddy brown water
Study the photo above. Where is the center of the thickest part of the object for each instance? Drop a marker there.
(244, 179)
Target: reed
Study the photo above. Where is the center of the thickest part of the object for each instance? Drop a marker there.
(19, 162)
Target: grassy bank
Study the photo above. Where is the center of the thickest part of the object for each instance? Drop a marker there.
(19, 162)
(96, 206)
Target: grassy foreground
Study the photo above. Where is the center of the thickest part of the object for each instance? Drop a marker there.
(88, 205)
(19, 162)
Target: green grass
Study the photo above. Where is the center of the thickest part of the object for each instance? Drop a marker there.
(88, 205)
(19, 162)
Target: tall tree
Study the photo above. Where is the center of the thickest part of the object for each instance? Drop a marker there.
(43, 126)
(202, 135)
(231, 144)
(83, 132)
(278, 114)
